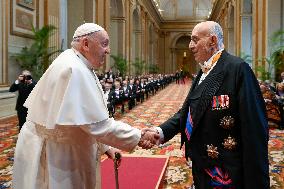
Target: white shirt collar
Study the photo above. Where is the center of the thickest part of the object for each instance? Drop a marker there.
(203, 76)
(206, 63)
(84, 60)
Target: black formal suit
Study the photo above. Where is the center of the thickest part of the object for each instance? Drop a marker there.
(111, 101)
(138, 92)
(119, 98)
(177, 76)
(132, 96)
(147, 89)
(247, 163)
(24, 91)
(143, 90)
(110, 75)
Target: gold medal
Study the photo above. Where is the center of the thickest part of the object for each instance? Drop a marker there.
(212, 151)
(227, 122)
(229, 143)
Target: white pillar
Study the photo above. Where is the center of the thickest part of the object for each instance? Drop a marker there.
(63, 24)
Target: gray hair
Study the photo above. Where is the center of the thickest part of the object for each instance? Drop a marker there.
(26, 72)
(216, 29)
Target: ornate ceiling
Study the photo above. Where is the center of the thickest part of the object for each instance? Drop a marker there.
(183, 10)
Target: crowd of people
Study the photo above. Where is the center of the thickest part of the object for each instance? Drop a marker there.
(180, 76)
(129, 91)
(120, 92)
(273, 94)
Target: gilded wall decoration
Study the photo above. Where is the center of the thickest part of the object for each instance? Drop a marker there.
(24, 15)
(30, 4)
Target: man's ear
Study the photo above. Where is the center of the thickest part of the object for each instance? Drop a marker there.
(214, 40)
(85, 43)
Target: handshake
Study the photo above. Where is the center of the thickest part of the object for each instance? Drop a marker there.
(149, 138)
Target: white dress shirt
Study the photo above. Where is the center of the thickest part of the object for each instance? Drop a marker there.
(204, 75)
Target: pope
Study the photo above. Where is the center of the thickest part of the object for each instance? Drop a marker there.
(68, 125)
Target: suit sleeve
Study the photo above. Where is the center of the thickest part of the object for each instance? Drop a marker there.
(14, 87)
(171, 127)
(254, 130)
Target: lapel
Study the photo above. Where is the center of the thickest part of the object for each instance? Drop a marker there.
(206, 90)
(197, 90)
(194, 84)
(184, 109)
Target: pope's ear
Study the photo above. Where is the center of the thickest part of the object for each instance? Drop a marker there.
(85, 43)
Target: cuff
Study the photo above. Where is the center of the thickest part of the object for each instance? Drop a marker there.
(160, 131)
(104, 148)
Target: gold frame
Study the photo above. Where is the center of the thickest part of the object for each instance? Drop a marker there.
(27, 5)
(20, 18)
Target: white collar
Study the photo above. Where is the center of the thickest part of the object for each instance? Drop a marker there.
(203, 76)
(84, 60)
(206, 63)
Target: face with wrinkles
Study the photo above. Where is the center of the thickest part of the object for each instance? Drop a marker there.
(96, 47)
(202, 43)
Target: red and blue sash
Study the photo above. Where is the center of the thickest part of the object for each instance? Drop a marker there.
(219, 179)
(189, 125)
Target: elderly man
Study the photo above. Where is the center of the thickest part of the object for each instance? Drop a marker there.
(68, 125)
(222, 121)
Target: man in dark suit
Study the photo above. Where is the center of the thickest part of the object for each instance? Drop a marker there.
(131, 94)
(24, 85)
(118, 95)
(111, 97)
(177, 77)
(143, 90)
(222, 121)
(110, 77)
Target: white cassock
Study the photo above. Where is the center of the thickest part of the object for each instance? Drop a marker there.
(67, 129)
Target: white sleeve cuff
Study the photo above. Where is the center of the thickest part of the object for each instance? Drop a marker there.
(104, 148)
(160, 131)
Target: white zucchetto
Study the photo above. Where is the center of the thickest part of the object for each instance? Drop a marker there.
(86, 29)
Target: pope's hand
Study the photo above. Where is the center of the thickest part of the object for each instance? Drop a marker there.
(111, 154)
